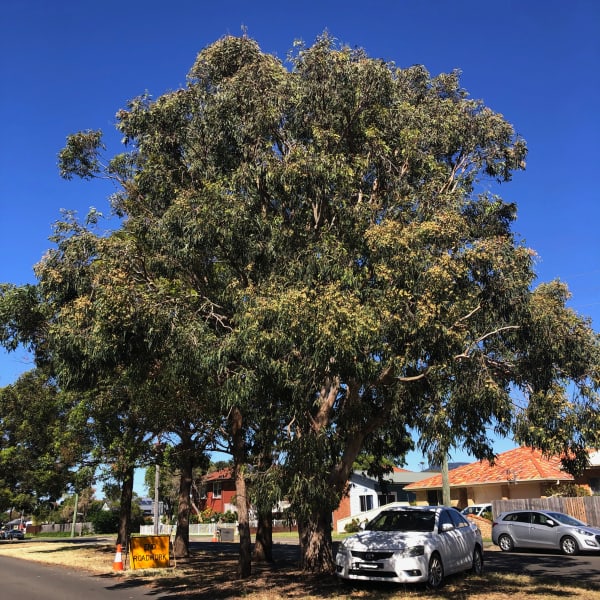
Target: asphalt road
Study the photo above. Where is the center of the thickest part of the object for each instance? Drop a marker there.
(581, 569)
(27, 580)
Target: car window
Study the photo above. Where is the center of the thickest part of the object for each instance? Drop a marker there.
(519, 517)
(566, 519)
(395, 520)
(540, 519)
(445, 517)
(458, 520)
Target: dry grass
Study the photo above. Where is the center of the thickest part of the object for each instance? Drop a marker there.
(211, 576)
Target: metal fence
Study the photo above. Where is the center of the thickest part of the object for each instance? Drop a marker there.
(584, 508)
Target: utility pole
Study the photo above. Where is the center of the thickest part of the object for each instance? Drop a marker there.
(74, 515)
(156, 485)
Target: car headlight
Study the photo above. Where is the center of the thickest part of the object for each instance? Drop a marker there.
(413, 551)
(583, 532)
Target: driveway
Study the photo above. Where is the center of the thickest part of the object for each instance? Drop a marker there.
(583, 568)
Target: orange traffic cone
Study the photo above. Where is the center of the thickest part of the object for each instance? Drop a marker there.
(118, 564)
(214, 537)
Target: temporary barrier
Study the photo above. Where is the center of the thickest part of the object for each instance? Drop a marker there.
(118, 564)
(149, 551)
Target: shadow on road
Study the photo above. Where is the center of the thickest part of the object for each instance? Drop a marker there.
(584, 568)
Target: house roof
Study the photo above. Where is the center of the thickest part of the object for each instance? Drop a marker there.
(216, 475)
(520, 464)
(396, 476)
(404, 476)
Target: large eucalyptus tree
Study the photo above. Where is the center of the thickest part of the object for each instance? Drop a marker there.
(325, 228)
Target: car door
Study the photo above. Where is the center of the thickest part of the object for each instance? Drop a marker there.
(465, 540)
(519, 527)
(543, 531)
(449, 542)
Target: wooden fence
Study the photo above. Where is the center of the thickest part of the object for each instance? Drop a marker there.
(584, 508)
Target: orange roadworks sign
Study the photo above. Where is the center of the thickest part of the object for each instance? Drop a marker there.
(149, 551)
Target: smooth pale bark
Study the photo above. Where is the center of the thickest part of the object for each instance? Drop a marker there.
(446, 501)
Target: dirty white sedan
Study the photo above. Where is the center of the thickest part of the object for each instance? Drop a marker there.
(412, 544)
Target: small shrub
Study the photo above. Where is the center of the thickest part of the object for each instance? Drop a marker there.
(353, 526)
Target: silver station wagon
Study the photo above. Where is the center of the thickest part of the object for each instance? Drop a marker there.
(544, 530)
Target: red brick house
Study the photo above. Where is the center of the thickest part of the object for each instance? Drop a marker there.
(218, 492)
(519, 473)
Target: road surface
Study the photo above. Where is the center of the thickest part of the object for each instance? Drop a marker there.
(28, 580)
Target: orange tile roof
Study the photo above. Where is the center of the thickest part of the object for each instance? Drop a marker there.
(399, 470)
(524, 464)
(222, 474)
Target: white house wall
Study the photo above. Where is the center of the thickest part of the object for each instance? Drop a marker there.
(356, 491)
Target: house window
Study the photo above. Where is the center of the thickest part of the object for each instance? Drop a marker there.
(217, 489)
(386, 498)
(366, 503)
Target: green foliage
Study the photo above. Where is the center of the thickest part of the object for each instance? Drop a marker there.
(227, 517)
(568, 490)
(38, 454)
(105, 521)
(80, 157)
(353, 526)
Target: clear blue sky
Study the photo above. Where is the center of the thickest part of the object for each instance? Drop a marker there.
(70, 65)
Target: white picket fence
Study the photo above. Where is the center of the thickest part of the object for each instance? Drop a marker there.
(196, 529)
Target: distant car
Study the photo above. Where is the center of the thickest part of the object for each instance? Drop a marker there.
(13, 534)
(412, 544)
(545, 530)
(477, 509)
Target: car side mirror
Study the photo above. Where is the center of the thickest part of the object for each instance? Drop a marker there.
(550, 523)
(447, 527)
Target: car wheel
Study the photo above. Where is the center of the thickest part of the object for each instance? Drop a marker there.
(506, 544)
(477, 566)
(569, 546)
(436, 572)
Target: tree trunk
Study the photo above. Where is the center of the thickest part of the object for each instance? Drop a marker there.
(181, 545)
(446, 498)
(125, 509)
(316, 548)
(239, 461)
(263, 544)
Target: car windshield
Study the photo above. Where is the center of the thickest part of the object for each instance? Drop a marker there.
(405, 520)
(566, 519)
